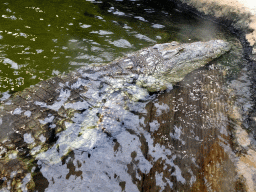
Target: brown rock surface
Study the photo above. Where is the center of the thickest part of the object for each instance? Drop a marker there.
(196, 127)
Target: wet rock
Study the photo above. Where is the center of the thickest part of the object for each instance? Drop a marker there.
(192, 120)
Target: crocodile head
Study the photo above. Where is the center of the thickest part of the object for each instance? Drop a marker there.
(171, 62)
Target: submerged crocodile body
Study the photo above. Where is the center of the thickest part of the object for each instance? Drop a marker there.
(81, 110)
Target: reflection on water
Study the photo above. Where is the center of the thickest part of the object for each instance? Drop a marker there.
(179, 141)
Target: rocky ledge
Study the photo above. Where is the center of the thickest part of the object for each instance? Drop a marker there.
(112, 127)
(239, 16)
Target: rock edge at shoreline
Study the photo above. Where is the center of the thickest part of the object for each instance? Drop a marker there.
(240, 18)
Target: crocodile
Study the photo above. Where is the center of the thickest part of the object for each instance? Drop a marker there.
(65, 112)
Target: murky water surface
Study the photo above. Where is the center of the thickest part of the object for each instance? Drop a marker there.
(40, 39)
(178, 141)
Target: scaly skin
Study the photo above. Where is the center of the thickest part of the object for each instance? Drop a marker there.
(102, 94)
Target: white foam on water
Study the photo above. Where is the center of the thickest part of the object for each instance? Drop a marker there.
(63, 97)
(17, 111)
(42, 138)
(5, 96)
(28, 138)
(47, 120)
(177, 133)
(120, 13)
(140, 18)
(159, 180)
(144, 37)
(13, 64)
(84, 26)
(161, 108)
(154, 125)
(123, 43)
(27, 113)
(25, 180)
(158, 26)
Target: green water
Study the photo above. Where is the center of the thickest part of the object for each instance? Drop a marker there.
(40, 39)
